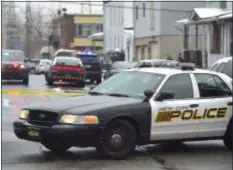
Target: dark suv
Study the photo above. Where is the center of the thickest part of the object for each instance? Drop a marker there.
(14, 66)
(92, 65)
(223, 65)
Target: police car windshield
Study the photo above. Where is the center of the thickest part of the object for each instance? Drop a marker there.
(67, 61)
(131, 83)
(12, 56)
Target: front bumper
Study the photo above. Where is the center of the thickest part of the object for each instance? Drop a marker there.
(75, 135)
(15, 74)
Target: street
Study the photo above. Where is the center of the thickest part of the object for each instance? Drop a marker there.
(19, 154)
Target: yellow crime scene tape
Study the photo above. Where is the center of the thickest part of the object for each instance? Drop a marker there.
(21, 92)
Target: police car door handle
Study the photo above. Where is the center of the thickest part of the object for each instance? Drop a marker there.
(193, 105)
(230, 103)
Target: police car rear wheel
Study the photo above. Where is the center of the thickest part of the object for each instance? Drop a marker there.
(26, 81)
(50, 82)
(228, 137)
(117, 140)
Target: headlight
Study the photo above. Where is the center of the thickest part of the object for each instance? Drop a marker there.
(76, 119)
(23, 114)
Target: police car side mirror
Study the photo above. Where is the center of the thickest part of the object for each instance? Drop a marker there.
(148, 93)
(165, 96)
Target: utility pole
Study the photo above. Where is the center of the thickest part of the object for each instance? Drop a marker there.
(28, 27)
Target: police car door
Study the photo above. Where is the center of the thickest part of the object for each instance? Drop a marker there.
(173, 118)
(215, 105)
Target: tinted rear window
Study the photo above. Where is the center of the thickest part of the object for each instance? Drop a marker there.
(220, 67)
(89, 59)
(65, 53)
(228, 69)
(67, 61)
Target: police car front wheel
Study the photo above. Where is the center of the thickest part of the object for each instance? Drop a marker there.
(56, 147)
(117, 140)
(228, 137)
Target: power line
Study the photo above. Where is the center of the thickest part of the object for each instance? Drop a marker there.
(128, 7)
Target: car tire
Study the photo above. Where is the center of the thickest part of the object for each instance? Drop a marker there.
(26, 80)
(32, 71)
(228, 137)
(117, 140)
(80, 84)
(99, 80)
(50, 82)
(56, 146)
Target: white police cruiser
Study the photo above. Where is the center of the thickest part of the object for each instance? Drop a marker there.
(136, 107)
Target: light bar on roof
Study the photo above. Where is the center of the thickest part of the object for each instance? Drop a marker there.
(191, 65)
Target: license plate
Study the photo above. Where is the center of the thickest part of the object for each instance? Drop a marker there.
(33, 133)
(68, 78)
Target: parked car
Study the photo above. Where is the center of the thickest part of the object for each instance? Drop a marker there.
(117, 67)
(223, 65)
(32, 64)
(14, 66)
(43, 66)
(92, 64)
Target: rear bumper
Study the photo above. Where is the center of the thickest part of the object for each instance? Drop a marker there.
(15, 74)
(93, 75)
(75, 135)
(73, 78)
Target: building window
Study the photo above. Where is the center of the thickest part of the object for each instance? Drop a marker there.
(149, 52)
(144, 9)
(137, 8)
(152, 16)
(79, 30)
(88, 29)
(216, 38)
(223, 4)
(143, 52)
(231, 44)
(99, 27)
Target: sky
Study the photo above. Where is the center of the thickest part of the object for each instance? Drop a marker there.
(72, 7)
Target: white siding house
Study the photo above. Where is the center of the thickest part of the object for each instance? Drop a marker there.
(118, 27)
(154, 28)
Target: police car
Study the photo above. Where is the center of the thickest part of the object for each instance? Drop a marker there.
(135, 107)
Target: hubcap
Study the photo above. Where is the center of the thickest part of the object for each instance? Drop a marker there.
(116, 139)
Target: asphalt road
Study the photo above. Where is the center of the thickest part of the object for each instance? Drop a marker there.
(18, 154)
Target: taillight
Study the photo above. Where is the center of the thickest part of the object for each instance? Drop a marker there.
(15, 65)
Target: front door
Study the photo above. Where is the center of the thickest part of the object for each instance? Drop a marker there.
(175, 118)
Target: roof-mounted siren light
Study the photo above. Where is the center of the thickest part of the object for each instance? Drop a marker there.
(187, 66)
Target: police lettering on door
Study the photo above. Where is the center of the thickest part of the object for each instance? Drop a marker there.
(186, 114)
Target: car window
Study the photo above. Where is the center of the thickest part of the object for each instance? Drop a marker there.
(228, 69)
(211, 86)
(67, 61)
(214, 67)
(220, 67)
(180, 85)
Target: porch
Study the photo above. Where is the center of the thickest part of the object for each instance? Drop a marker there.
(216, 25)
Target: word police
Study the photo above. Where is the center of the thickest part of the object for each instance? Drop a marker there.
(212, 113)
